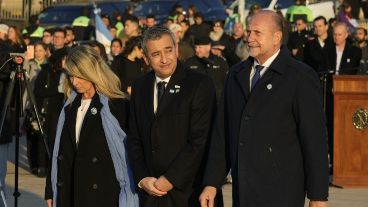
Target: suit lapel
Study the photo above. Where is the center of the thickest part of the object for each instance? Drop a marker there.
(147, 93)
(242, 76)
(169, 93)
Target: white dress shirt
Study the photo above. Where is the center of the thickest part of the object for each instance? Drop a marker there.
(81, 113)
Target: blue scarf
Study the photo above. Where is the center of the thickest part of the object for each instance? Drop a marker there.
(116, 139)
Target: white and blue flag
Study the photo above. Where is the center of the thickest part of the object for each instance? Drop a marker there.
(102, 33)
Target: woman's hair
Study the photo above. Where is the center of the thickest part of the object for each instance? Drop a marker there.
(131, 44)
(118, 41)
(101, 49)
(18, 36)
(84, 62)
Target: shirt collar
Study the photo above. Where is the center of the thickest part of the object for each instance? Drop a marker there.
(158, 79)
(268, 61)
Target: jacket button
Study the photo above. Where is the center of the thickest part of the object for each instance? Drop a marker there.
(60, 183)
(60, 157)
(153, 151)
(94, 159)
(246, 118)
(94, 186)
(241, 144)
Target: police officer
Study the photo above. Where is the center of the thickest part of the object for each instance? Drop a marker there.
(298, 39)
(34, 30)
(204, 61)
(83, 30)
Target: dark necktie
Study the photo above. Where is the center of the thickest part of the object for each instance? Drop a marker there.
(160, 90)
(256, 76)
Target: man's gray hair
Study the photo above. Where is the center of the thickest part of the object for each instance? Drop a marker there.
(156, 33)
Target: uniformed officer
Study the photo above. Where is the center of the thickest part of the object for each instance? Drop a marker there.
(205, 62)
(82, 26)
(34, 30)
(298, 39)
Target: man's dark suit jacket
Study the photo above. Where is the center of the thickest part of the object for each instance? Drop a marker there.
(350, 59)
(275, 136)
(172, 141)
(317, 56)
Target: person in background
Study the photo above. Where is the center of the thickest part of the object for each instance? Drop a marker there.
(317, 49)
(6, 134)
(100, 48)
(36, 151)
(70, 37)
(223, 42)
(298, 39)
(129, 65)
(47, 38)
(150, 21)
(200, 28)
(192, 10)
(115, 49)
(345, 15)
(113, 31)
(89, 166)
(207, 63)
(361, 42)
(299, 10)
(82, 25)
(58, 41)
(34, 30)
(106, 20)
(186, 42)
(131, 28)
(15, 39)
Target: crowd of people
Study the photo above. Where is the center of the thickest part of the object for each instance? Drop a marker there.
(173, 107)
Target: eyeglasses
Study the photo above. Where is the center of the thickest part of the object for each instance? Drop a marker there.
(216, 25)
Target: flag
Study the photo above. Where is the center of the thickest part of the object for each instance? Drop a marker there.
(102, 33)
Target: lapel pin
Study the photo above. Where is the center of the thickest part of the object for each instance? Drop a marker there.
(269, 86)
(176, 86)
(177, 90)
(172, 91)
(348, 60)
(93, 111)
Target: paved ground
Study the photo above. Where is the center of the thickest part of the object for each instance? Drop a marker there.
(32, 188)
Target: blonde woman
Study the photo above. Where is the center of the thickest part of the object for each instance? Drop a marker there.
(89, 163)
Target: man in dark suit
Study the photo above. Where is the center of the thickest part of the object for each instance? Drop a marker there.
(316, 50)
(270, 129)
(344, 57)
(171, 114)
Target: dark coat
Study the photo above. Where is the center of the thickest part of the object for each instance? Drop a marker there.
(127, 70)
(172, 141)
(317, 56)
(6, 134)
(86, 174)
(48, 99)
(274, 139)
(213, 66)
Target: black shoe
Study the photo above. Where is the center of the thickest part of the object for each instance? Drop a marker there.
(41, 172)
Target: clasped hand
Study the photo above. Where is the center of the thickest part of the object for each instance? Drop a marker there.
(156, 187)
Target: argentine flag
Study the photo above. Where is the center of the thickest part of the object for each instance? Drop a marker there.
(102, 33)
